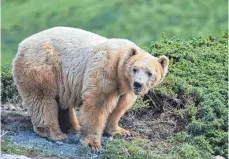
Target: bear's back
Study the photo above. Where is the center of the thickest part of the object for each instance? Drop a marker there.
(71, 45)
(66, 35)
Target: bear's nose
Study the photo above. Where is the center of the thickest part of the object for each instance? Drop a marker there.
(137, 85)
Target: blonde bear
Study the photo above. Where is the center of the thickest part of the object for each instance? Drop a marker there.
(62, 68)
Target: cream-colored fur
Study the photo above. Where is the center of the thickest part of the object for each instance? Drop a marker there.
(62, 68)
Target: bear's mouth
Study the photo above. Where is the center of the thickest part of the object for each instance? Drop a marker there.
(137, 91)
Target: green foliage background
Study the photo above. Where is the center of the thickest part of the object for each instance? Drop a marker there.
(198, 66)
(141, 21)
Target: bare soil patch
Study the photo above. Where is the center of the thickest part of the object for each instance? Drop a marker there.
(157, 122)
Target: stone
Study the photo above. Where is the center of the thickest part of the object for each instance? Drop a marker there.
(8, 156)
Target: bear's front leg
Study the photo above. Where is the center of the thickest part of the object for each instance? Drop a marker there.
(124, 103)
(93, 115)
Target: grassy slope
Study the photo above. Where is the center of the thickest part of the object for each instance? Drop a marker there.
(198, 77)
(141, 21)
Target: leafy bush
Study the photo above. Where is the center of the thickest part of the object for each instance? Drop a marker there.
(9, 93)
(140, 104)
(198, 73)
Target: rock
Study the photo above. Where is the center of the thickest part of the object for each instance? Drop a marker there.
(219, 157)
(9, 106)
(59, 143)
(7, 156)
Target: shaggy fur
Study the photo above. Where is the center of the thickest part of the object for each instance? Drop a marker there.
(62, 68)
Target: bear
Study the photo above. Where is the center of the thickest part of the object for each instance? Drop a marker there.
(62, 68)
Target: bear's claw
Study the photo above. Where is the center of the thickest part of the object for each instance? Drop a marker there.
(93, 142)
(95, 148)
(120, 132)
(59, 136)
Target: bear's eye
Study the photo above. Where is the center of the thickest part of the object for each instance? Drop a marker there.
(135, 70)
(149, 74)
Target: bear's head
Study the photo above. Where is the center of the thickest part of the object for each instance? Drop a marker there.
(145, 71)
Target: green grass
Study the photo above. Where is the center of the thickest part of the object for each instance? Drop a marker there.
(139, 21)
(141, 149)
(8, 148)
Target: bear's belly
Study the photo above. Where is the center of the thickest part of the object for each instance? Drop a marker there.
(70, 88)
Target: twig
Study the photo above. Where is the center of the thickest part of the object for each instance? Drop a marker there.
(163, 122)
(3, 133)
(153, 102)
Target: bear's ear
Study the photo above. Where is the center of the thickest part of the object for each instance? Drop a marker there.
(127, 58)
(164, 61)
(131, 52)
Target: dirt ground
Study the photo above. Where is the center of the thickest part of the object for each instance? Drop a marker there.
(158, 121)
(154, 123)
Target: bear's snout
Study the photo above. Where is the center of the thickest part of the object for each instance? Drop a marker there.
(137, 87)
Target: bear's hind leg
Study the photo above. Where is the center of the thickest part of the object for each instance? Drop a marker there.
(68, 121)
(73, 120)
(44, 116)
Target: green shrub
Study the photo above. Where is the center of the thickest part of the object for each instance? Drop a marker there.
(9, 93)
(140, 104)
(198, 73)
